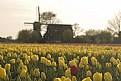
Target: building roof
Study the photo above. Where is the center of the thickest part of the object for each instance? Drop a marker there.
(60, 24)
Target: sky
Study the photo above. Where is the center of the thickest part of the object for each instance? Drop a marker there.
(89, 14)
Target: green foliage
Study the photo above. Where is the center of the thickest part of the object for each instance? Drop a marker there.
(104, 37)
(67, 35)
(91, 32)
(29, 36)
(24, 36)
(96, 36)
(6, 40)
(35, 36)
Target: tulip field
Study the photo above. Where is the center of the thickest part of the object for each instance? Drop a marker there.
(59, 62)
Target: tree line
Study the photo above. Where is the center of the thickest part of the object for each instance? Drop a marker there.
(111, 34)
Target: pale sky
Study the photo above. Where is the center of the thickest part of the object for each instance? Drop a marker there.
(89, 14)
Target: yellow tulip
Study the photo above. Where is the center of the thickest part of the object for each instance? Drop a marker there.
(84, 60)
(87, 67)
(1, 57)
(111, 59)
(14, 55)
(24, 55)
(52, 59)
(54, 68)
(49, 56)
(88, 73)
(36, 72)
(118, 60)
(65, 66)
(72, 63)
(44, 60)
(61, 63)
(18, 60)
(74, 55)
(89, 54)
(77, 57)
(26, 62)
(12, 61)
(21, 64)
(107, 65)
(24, 67)
(107, 76)
(23, 74)
(28, 58)
(9, 55)
(60, 58)
(53, 64)
(57, 79)
(2, 73)
(28, 78)
(35, 57)
(110, 65)
(7, 67)
(63, 78)
(119, 67)
(94, 61)
(68, 73)
(77, 61)
(97, 77)
(43, 76)
(48, 63)
(67, 79)
(87, 79)
(81, 65)
(74, 78)
(114, 61)
(98, 65)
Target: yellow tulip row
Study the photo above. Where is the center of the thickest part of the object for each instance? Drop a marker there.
(53, 62)
(96, 77)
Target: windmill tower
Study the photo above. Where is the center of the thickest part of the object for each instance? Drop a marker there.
(36, 29)
(36, 24)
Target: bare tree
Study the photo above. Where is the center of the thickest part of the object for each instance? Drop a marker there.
(114, 25)
(49, 18)
(76, 29)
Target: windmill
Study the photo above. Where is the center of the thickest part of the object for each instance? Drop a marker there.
(54, 32)
(36, 29)
(36, 24)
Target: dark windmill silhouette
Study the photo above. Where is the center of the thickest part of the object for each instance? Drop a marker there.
(54, 32)
(36, 28)
(36, 24)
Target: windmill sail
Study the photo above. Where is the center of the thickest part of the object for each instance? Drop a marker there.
(38, 14)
